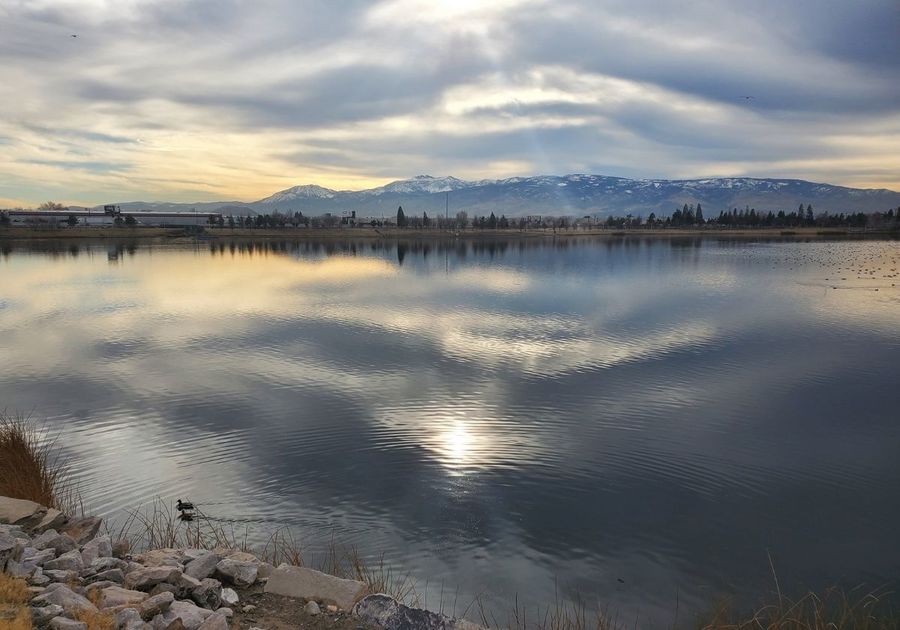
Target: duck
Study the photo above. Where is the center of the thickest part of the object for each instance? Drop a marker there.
(181, 506)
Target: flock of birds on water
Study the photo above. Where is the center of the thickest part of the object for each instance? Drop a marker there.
(850, 264)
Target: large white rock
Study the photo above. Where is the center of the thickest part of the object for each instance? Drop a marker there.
(306, 583)
(229, 597)
(25, 514)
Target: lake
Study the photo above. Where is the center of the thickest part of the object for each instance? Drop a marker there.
(641, 421)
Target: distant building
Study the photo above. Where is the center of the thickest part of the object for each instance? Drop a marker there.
(95, 218)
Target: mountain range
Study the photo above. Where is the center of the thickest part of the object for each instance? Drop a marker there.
(576, 195)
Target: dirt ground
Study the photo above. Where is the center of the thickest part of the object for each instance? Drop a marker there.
(275, 612)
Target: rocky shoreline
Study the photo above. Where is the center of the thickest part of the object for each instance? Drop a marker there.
(77, 575)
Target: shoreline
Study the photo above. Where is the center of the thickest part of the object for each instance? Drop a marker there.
(396, 234)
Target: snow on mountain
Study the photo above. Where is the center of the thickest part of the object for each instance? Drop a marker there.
(573, 194)
(421, 184)
(309, 191)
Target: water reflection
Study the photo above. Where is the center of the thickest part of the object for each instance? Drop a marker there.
(489, 414)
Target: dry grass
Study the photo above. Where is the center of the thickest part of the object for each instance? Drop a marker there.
(834, 609)
(156, 526)
(14, 596)
(96, 619)
(31, 467)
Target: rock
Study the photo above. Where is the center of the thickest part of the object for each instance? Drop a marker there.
(162, 558)
(69, 561)
(249, 608)
(38, 557)
(208, 594)
(242, 556)
(113, 575)
(121, 548)
(389, 614)
(226, 611)
(145, 579)
(185, 585)
(306, 583)
(41, 615)
(63, 596)
(331, 608)
(165, 587)
(99, 547)
(191, 616)
(10, 550)
(61, 576)
(59, 543)
(92, 591)
(64, 623)
(21, 513)
(38, 578)
(230, 597)
(128, 618)
(215, 621)
(202, 566)
(265, 570)
(53, 519)
(174, 625)
(116, 597)
(105, 564)
(312, 608)
(156, 605)
(82, 529)
(237, 572)
(24, 569)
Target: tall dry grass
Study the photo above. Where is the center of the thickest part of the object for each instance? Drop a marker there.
(31, 466)
(14, 596)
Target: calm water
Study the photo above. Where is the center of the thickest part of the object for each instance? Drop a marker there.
(638, 421)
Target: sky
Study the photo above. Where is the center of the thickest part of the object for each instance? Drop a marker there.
(191, 100)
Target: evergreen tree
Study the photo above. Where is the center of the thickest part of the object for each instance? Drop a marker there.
(810, 217)
(492, 221)
(699, 215)
(401, 218)
(424, 219)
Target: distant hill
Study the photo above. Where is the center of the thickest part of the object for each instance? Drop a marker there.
(557, 195)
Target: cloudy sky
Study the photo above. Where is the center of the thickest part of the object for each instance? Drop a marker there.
(235, 99)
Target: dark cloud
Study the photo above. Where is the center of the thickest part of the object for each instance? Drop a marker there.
(637, 87)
